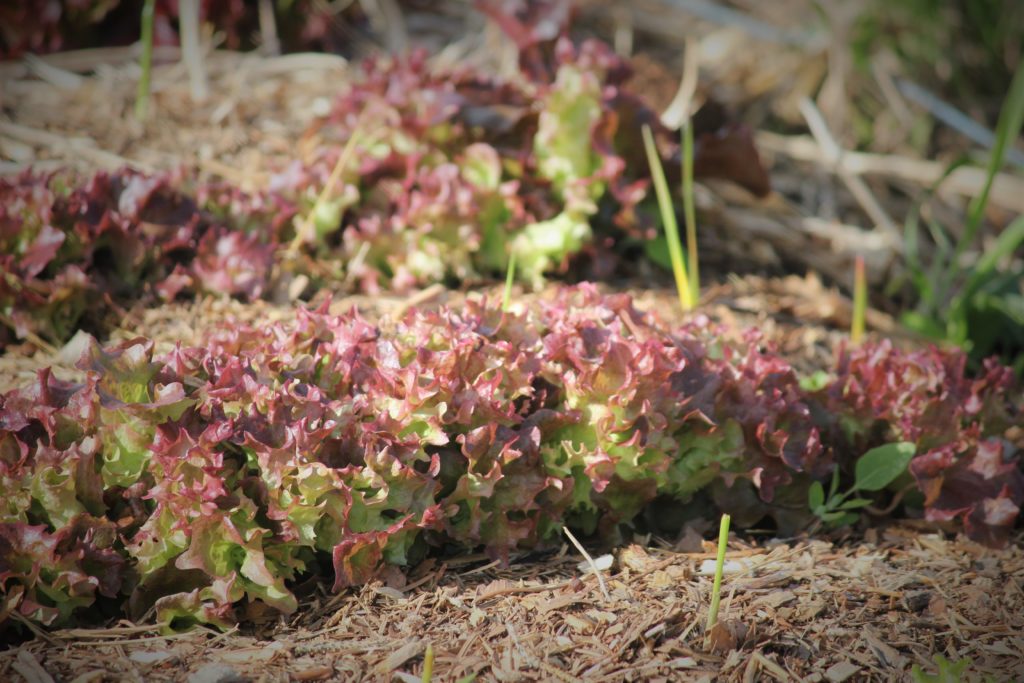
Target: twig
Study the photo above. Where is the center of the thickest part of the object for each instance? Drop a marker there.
(678, 111)
(772, 667)
(590, 562)
(955, 119)
(83, 147)
(386, 18)
(420, 297)
(191, 49)
(966, 181)
(880, 71)
(623, 33)
(270, 44)
(55, 76)
(30, 669)
(720, 14)
(31, 337)
(142, 94)
(833, 154)
(305, 231)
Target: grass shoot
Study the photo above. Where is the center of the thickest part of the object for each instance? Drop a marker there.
(510, 277)
(668, 219)
(428, 664)
(716, 591)
(716, 588)
(690, 214)
(860, 301)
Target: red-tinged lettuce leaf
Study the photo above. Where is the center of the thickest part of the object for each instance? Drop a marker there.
(924, 396)
(762, 394)
(213, 605)
(134, 398)
(231, 546)
(232, 264)
(48, 577)
(974, 480)
(956, 421)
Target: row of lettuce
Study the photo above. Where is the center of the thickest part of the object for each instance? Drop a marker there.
(452, 172)
(198, 481)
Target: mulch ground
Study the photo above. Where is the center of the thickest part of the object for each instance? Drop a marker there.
(800, 610)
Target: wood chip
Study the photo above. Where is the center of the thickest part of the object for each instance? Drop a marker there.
(30, 669)
(841, 671)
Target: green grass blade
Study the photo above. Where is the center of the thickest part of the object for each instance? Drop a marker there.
(1007, 243)
(510, 276)
(716, 589)
(428, 664)
(860, 301)
(1011, 119)
(668, 219)
(690, 214)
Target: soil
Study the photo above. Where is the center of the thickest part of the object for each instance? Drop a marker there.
(866, 606)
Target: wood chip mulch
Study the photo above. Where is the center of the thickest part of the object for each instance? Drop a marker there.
(802, 610)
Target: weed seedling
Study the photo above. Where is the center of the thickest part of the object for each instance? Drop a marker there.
(690, 214)
(875, 470)
(668, 219)
(428, 664)
(510, 276)
(948, 672)
(860, 301)
(716, 588)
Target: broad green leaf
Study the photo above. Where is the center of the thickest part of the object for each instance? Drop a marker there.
(816, 497)
(877, 468)
(854, 503)
(833, 487)
(839, 518)
(948, 672)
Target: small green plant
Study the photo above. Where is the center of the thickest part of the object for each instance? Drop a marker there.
(976, 305)
(875, 470)
(860, 301)
(716, 588)
(668, 219)
(142, 94)
(948, 672)
(690, 213)
(510, 276)
(428, 664)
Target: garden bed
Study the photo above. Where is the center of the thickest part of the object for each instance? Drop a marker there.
(817, 603)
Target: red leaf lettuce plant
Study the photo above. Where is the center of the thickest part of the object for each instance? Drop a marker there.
(196, 480)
